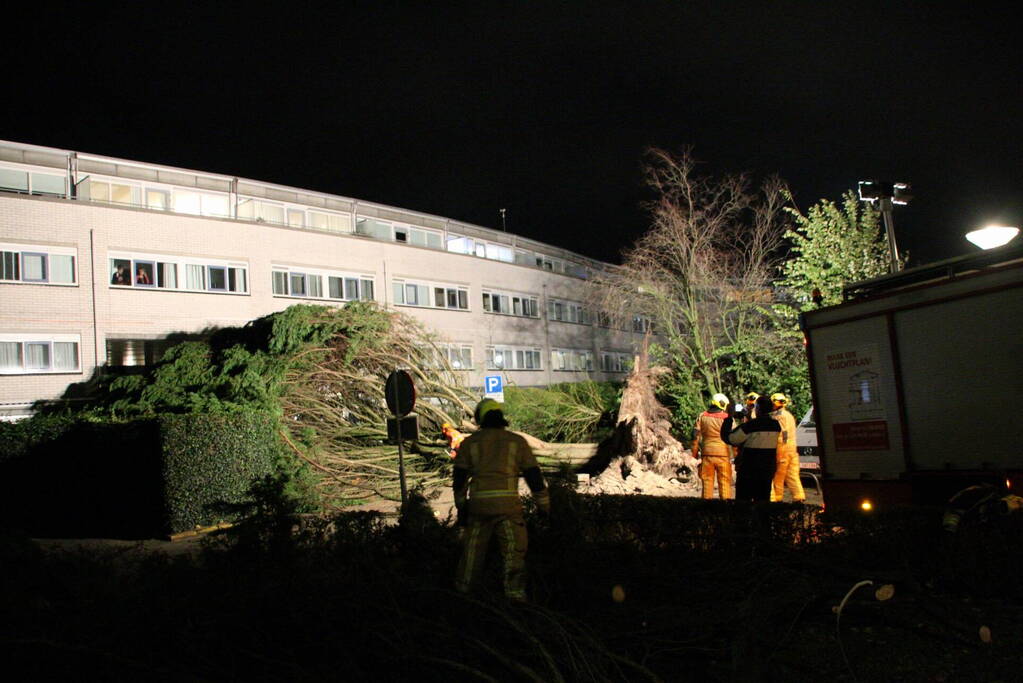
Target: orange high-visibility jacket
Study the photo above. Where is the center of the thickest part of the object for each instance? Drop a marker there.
(788, 427)
(708, 430)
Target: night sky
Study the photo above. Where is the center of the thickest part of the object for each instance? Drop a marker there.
(541, 108)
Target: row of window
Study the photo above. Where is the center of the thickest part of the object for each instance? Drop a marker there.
(33, 264)
(308, 284)
(430, 295)
(32, 354)
(523, 305)
(217, 204)
(178, 274)
(28, 354)
(36, 264)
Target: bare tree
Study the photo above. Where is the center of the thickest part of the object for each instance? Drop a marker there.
(702, 273)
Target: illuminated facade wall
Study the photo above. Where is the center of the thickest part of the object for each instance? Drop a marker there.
(102, 259)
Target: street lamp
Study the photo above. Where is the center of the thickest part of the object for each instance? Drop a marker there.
(992, 236)
(885, 194)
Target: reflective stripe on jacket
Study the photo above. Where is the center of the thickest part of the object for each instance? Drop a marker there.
(788, 427)
(494, 458)
(760, 435)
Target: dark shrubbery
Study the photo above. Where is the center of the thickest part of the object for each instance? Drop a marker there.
(68, 477)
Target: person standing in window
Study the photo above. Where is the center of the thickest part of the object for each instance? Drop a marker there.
(142, 277)
(120, 276)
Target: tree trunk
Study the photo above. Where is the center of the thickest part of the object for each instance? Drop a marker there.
(642, 440)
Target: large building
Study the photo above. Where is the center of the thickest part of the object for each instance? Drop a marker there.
(101, 259)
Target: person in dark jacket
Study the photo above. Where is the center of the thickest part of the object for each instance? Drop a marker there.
(759, 439)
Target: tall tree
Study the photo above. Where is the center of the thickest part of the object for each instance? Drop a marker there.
(702, 275)
(831, 246)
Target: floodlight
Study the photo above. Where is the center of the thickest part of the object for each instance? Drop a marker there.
(992, 236)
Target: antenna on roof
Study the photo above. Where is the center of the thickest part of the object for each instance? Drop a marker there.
(503, 226)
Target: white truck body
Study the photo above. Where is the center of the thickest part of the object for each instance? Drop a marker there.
(920, 373)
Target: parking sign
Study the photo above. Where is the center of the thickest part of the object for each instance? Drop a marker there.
(493, 387)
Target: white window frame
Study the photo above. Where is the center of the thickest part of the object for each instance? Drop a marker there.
(509, 357)
(528, 304)
(49, 340)
(456, 354)
(409, 233)
(567, 311)
(571, 360)
(29, 170)
(47, 252)
(615, 361)
(461, 294)
(181, 264)
(279, 270)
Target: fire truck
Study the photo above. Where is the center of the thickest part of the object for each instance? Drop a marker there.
(917, 382)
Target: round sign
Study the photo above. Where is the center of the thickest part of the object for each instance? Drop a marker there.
(400, 393)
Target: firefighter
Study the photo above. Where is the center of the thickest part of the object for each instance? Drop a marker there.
(759, 439)
(716, 454)
(486, 486)
(751, 405)
(453, 437)
(787, 471)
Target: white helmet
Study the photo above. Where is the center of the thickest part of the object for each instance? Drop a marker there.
(719, 400)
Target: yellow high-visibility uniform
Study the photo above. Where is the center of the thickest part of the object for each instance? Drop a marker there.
(494, 459)
(716, 461)
(787, 470)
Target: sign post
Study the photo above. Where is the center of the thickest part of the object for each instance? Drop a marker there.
(493, 387)
(400, 394)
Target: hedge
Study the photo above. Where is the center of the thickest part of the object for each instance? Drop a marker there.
(210, 462)
(65, 477)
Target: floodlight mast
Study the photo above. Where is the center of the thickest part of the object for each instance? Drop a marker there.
(886, 194)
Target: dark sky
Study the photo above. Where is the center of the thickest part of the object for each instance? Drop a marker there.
(544, 108)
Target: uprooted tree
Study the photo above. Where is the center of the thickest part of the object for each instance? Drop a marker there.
(322, 371)
(642, 442)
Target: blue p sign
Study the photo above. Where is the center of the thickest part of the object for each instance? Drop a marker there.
(492, 385)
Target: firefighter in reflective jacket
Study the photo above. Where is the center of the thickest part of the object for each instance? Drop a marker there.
(787, 471)
(486, 487)
(716, 455)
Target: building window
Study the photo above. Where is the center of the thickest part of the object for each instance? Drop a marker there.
(310, 285)
(39, 265)
(159, 272)
(371, 227)
(33, 182)
(513, 358)
(613, 361)
(641, 323)
(30, 354)
(572, 360)
(567, 311)
(432, 295)
(136, 352)
(507, 303)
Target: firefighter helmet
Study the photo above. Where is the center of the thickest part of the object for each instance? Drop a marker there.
(484, 407)
(719, 400)
(752, 397)
(779, 398)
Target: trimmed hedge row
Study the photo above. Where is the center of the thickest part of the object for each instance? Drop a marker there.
(210, 462)
(64, 477)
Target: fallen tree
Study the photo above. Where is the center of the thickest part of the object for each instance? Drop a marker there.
(322, 370)
(642, 455)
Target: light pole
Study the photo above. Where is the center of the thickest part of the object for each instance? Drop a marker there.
(503, 226)
(992, 236)
(885, 194)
